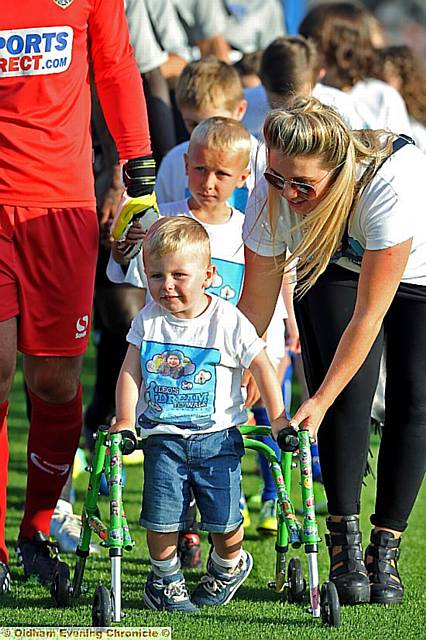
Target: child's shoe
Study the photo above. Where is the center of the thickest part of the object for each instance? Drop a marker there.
(168, 594)
(217, 588)
(267, 525)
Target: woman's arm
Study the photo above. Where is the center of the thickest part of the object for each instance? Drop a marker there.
(381, 274)
(127, 392)
(270, 390)
(262, 285)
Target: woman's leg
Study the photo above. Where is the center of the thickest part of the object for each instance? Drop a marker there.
(402, 455)
(323, 314)
(343, 438)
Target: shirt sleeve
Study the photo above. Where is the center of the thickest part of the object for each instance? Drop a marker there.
(257, 232)
(148, 53)
(117, 79)
(387, 221)
(249, 344)
(202, 19)
(168, 28)
(164, 179)
(135, 334)
(135, 274)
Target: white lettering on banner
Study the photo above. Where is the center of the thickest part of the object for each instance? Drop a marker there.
(35, 52)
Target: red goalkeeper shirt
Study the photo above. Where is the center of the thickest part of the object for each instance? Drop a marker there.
(45, 142)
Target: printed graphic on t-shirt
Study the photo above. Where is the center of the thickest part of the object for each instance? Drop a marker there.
(180, 384)
(228, 280)
(36, 51)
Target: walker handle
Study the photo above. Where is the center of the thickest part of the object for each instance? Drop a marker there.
(129, 442)
(288, 440)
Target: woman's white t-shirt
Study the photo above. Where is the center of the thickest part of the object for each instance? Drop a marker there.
(390, 211)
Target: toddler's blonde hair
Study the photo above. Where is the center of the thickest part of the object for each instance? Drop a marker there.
(171, 235)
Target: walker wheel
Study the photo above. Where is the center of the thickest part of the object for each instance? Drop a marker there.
(101, 608)
(61, 586)
(296, 581)
(330, 605)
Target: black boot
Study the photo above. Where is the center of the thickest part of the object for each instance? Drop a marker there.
(347, 569)
(382, 556)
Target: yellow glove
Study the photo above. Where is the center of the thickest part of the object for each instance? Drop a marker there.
(144, 209)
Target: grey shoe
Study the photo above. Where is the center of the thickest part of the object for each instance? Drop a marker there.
(168, 594)
(217, 588)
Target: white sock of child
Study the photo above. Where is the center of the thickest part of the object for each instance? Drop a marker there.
(163, 568)
(222, 565)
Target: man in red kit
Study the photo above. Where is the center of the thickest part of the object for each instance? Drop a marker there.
(49, 228)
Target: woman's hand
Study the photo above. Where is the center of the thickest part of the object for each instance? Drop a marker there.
(309, 416)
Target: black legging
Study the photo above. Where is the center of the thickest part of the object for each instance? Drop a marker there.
(343, 439)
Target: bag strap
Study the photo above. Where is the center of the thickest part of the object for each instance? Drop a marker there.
(401, 141)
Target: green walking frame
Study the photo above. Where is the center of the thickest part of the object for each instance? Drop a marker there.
(289, 580)
(115, 535)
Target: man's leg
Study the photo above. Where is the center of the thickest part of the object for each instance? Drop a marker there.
(56, 420)
(7, 371)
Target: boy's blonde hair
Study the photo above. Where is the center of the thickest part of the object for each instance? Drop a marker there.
(169, 235)
(209, 83)
(312, 129)
(223, 134)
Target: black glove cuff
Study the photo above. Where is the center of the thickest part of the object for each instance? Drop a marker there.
(139, 176)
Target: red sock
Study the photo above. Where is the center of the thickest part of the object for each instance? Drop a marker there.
(4, 460)
(53, 440)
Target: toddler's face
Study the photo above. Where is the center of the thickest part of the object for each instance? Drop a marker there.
(177, 281)
(213, 174)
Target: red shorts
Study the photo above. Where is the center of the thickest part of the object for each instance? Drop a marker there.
(47, 270)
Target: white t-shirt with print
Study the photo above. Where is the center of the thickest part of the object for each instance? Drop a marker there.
(227, 251)
(171, 184)
(389, 212)
(192, 369)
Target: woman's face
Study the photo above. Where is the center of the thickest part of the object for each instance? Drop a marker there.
(308, 170)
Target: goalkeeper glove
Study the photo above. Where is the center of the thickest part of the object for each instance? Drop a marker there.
(138, 202)
(143, 209)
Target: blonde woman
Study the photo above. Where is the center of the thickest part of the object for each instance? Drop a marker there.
(346, 204)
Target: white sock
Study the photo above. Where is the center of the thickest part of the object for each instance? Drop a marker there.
(63, 506)
(223, 565)
(163, 568)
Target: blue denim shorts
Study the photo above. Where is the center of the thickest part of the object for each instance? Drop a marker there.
(208, 464)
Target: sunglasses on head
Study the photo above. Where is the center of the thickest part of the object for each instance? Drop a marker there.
(304, 190)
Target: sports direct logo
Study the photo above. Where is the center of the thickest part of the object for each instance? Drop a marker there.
(35, 52)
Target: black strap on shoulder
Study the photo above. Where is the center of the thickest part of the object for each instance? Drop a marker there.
(401, 141)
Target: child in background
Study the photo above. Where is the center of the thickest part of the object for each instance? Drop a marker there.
(206, 88)
(403, 69)
(189, 422)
